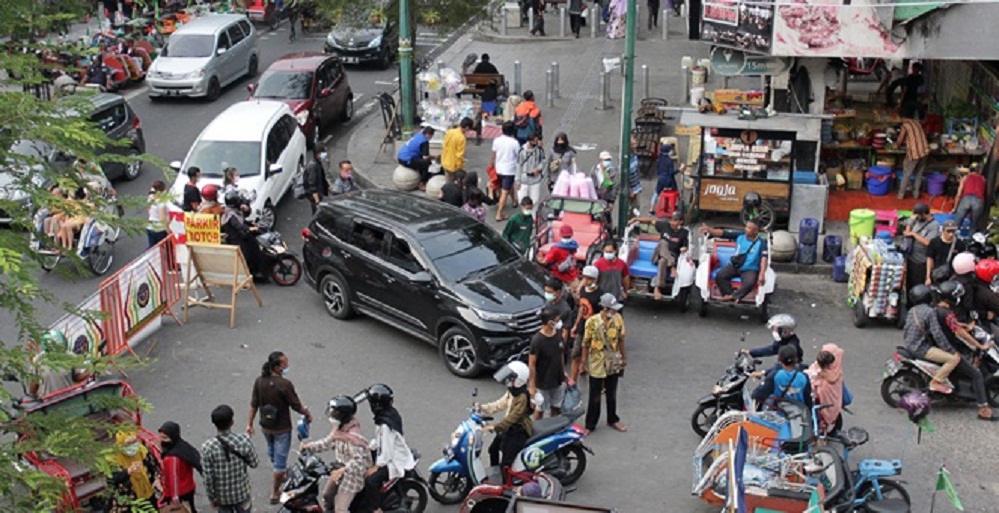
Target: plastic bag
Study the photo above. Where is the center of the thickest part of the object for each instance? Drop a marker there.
(572, 400)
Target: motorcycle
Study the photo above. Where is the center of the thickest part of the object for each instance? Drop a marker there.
(556, 445)
(904, 372)
(490, 498)
(301, 490)
(729, 393)
(283, 265)
(981, 247)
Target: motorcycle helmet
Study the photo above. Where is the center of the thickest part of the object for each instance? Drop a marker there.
(963, 263)
(513, 374)
(232, 199)
(920, 295)
(380, 397)
(210, 192)
(916, 404)
(751, 200)
(54, 341)
(782, 325)
(951, 292)
(341, 409)
(987, 270)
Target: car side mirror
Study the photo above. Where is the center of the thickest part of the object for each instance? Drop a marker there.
(175, 165)
(221, 51)
(274, 169)
(422, 277)
(325, 92)
(251, 88)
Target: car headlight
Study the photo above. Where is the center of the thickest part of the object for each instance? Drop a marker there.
(196, 73)
(376, 42)
(302, 116)
(330, 40)
(493, 316)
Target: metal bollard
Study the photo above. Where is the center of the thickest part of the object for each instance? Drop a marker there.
(516, 77)
(555, 89)
(645, 80)
(530, 20)
(549, 99)
(440, 67)
(604, 89)
(561, 21)
(594, 17)
(503, 30)
(665, 20)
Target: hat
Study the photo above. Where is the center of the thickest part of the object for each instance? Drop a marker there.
(605, 155)
(676, 215)
(609, 301)
(921, 208)
(565, 231)
(591, 271)
(949, 224)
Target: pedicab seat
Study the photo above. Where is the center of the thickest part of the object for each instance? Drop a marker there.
(643, 267)
(724, 252)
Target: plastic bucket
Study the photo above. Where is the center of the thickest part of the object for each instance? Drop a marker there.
(808, 231)
(878, 186)
(697, 76)
(696, 95)
(935, 184)
(807, 254)
(832, 247)
(839, 270)
(861, 224)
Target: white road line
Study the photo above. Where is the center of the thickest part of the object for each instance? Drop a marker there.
(396, 79)
(136, 93)
(358, 96)
(382, 82)
(368, 105)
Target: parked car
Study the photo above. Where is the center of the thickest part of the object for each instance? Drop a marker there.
(314, 85)
(363, 41)
(261, 139)
(428, 269)
(203, 56)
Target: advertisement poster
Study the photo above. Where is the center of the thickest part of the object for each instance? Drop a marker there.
(85, 336)
(835, 28)
(745, 26)
(140, 286)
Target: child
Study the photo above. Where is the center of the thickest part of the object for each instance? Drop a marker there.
(513, 431)
(473, 205)
(561, 258)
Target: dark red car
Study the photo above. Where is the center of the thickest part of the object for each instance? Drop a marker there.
(314, 85)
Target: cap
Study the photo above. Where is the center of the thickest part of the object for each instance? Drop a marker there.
(676, 215)
(565, 231)
(591, 271)
(609, 301)
(921, 208)
(605, 155)
(949, 224)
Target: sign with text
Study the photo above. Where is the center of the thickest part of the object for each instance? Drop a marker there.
(725, 195)
(729, 62)
(203, 228)
(749, 158)
(737, 25)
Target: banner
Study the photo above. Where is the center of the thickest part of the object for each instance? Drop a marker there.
(203, 228)
(818, 28)
(84, 336)
(140, 289)
(737, 25)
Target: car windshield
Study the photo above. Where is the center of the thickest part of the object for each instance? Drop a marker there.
(213, 157)
(288, 85)
(193, 45)
(467, 252)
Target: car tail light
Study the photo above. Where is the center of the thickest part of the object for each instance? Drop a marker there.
(136, 123)
(306, 234)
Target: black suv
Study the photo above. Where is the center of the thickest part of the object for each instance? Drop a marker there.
(426, 268)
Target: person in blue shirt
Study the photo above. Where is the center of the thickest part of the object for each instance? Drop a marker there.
(752, 271)
(415, 154)
(790, 381)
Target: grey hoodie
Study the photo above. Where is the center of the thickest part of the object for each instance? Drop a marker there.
(529, 159)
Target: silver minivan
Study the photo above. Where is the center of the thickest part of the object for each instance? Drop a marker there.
(203, 56)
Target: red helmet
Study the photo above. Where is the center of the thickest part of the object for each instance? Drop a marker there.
(210, 192)
(987, 269)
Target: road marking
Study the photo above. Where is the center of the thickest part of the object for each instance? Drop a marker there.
(382, 82)
(358, 96)
(136, 93)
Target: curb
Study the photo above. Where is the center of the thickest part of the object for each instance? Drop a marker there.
(492, 37)
(818, 269)
(359, 175)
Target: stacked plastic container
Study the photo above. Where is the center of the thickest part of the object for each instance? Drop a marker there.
(808, 241)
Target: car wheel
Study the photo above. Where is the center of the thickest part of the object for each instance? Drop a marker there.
(266, 218)
(252, 69)
(336, 297)
(133, 168)
(460, 352)
(214, 89)
(348, 109)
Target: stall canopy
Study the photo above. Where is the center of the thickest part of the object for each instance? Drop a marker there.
(808, 127)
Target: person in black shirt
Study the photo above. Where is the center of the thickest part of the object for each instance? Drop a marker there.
(674, 239)
(485, 67)
(942, 249)
(453, 192)
(240, 233)
(192, 194)
(317, 186)
(587, 306)
(546, 363)
(910, 92)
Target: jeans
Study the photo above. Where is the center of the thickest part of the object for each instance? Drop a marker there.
(967, 204)
(245, 507)
(948, 361)
(909, 167)
(608, 386)
(509, 443)
(977, 381)
(278, 445)
(724, 281)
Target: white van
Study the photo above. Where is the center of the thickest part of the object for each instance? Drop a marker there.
(261, 139)
(203, 56)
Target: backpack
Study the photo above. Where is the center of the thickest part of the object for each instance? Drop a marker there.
(526, 126)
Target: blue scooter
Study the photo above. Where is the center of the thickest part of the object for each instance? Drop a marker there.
(556, 446)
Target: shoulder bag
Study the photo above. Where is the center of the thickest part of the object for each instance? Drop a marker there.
(232, 450)
(268, 413)
(739, 260)
(942, 271)
(613, 359)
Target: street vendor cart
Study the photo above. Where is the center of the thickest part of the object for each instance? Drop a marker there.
(876, 287)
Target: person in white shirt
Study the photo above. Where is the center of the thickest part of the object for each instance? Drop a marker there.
(393, 458)
(159, 217)
(504, 159)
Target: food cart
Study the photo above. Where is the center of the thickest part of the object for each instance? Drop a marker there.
(876, 288)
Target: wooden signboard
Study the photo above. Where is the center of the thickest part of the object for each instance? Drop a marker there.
(725, 195)
(218, 266)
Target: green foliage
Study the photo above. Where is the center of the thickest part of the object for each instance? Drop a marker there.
(450, 14)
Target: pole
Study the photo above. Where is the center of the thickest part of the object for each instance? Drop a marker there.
(561, 21)
(645, 80)
(503, 30)
(626, 99)
(530, 20)
(555, 89)
(666, 13)
(516, 77)
(406, 92)
(440, 66)
(603, 90)
(549, 100)
(594, 17)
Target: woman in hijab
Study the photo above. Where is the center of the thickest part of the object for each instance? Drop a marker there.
(180, 460)
(136, 468)
(562, 156)
(826, 375)
(618, 13)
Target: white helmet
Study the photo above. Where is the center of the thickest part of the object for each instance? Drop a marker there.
(783, 324)
(513, 374)
(964, 263)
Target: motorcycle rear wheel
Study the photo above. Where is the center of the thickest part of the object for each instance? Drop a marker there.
(894, 387)
(286, 270)
(704, 417)
(571, 464)
(413, 495)
(453, 487)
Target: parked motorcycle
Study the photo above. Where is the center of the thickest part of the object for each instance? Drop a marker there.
(491, 498)
(729, 393)
(282, 264)
(556, 445)
(981, 247)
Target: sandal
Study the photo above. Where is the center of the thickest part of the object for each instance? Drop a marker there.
(620, 427)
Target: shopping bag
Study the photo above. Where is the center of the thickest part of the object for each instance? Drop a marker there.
(572, 400)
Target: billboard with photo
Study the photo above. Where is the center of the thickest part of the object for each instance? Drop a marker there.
(835, 28)
(746, 26)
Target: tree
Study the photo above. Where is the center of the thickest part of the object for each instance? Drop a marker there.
(34, 130)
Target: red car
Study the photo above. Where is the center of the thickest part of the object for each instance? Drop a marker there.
(314, 85)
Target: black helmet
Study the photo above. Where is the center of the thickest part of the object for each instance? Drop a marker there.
(950, 291)
(751, 200)
(232, 199)
(920, 295)
(380, 396)
(341, 408)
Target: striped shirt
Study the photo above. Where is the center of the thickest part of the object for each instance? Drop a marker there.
(914, 139)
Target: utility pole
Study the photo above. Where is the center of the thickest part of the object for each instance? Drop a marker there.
(407, 95)
(628, 87)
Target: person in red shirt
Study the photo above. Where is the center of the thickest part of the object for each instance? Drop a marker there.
(180, 460)
(970, 196)
(561, 258)
(614, 277)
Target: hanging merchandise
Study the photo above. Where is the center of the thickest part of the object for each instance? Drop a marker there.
(876, 286)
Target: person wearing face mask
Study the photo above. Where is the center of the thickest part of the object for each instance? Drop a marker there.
(614, 275)
(515, 429)
(605, 178)
(781, 327)
(588, 305)
(753, 250)
(546, 362)
(520, 227)
(134, 469)
(604, 335)
(317, 186)
(274, 397)
(180, 460)
(350, 449)
(564, 302)
(532, 169)
(561, 258)
(562, 156)
(344, 182)
(919, 231)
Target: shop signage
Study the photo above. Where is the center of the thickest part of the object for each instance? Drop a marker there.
(203, 228)
(739, 97)
(725, 194)
(730, 62)
(748, 157)
(738, 25)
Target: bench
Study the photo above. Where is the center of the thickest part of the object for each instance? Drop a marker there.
(475, 82)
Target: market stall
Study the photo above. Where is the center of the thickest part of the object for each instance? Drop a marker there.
(876, 288)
